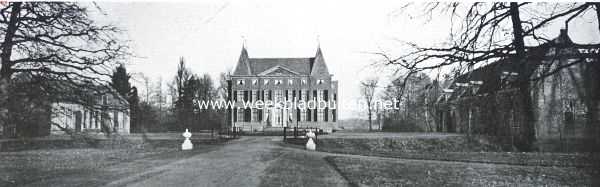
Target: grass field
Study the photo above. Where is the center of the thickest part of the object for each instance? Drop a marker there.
(398, 172)
(436, 159)
(87, 166)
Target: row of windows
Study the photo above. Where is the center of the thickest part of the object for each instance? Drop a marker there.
(92, 119)
(281, 95)
(249, 115)
(275, 81)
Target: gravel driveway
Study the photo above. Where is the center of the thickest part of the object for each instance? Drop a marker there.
(242, 162)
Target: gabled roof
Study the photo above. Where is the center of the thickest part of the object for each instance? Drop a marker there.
(260, 66)
(279, 70)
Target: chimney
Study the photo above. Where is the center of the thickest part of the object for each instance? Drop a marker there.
(563, 37)
(564, 32)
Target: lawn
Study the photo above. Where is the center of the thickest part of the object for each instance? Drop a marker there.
(445, 147)
(299, 168)
(88, 166)
(398, 172)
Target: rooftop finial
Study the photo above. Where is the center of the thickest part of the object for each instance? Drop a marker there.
(243, 41)
(318, 42)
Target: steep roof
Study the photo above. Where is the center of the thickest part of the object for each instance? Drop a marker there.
(300, 65)
(255, 66)
(491, 75)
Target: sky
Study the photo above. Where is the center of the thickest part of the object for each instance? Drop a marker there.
(209, 36)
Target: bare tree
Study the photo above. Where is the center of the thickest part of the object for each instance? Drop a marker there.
(478, 35)
(59, 42)
(368, 92)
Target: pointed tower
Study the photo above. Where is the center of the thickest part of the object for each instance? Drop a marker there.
(318, 66)
(243, 65)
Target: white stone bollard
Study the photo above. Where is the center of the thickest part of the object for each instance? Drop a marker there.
(310, 145)
(187, 144)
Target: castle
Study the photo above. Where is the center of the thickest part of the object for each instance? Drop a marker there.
(278, 83)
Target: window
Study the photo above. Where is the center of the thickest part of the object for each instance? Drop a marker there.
(304, 95)
(266, 81)
(333, 115)
(235, 96)
(290, 81)
(240, 95)
(314, 94)
(320, 81)
(104, 100)
(289, 95)
(303, 115)
(260, 114)
(326, 95)
(247, 115)
(286, 95)
(245, 95)
(293, 94)
(240, 82)
(254, 115)
(308, 115)
(270, 94)
(315, 114)
(303, 81)
(307, 95)
(277, 82)
(261, 95)
(254, 81)
(96, 116)
(335, 96)
(254, 98)
(240, 113)
(278, 95)
(298, 114)
(325, 114)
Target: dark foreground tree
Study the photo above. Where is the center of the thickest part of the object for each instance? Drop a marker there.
(486, 32)
(56, 41)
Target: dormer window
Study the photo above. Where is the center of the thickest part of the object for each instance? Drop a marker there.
(266, 81)
(290, 82)
(240, 82)
(303, 81)
(254, 81)
(277, 82)
(475, 85)
(320, 81)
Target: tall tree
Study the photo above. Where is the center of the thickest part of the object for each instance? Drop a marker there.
(58, 41)
(368, 92)
(414, 98)
(120, 81)
(181, 84)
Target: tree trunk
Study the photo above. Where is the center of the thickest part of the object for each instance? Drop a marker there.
(594, 110)
(370, 117)
(526, 136)
(5, 69)
(4, 122)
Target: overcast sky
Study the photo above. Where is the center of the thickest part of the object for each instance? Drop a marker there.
(209, 35)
